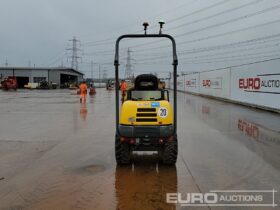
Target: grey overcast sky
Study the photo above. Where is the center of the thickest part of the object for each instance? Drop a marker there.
(209, 33)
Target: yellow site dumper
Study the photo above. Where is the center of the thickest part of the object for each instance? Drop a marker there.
(146, 120)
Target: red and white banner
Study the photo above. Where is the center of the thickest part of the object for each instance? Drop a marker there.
(255, 84)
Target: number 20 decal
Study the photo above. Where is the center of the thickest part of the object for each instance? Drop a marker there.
(163, 112)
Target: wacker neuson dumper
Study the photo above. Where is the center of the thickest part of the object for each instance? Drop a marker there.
(146, 121)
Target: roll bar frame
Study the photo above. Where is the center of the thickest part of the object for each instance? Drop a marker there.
(175, 64)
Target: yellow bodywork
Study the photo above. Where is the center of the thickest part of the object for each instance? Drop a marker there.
(146, 113)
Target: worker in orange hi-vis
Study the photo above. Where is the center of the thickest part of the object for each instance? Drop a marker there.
(83, 91)
(123, 87)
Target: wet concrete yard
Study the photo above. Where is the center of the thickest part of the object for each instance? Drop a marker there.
(58, 154)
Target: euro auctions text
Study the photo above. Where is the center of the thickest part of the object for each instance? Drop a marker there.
(225, 198)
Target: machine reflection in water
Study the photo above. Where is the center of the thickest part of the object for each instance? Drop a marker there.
(241, 124)
(83, 111)
(144, 184)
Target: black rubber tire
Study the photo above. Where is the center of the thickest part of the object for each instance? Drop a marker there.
(170, 152)
(122, 152)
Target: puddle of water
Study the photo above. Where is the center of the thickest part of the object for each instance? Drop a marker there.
(94, 169)
(144, 184)
(90, 170)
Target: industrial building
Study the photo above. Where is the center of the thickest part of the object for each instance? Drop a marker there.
(25, 75)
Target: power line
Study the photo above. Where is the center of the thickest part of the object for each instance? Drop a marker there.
(263, 39)
(216, 15)
(170, 21)
(138, 31)
(222, 53)
(216, 60)
(244, 64)
(235, 59)
(235, 51)
(52, 58)
(217, 24)
(200, 10)
(108, 52)
(245, 43)
(218, 47)
(208, 37)
(218, 35)
(234, 56)
(56, 60)
(233, 20)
